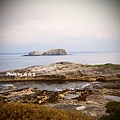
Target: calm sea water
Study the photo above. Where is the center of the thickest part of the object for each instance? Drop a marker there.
(57, 85)
(16, 61)
(48, 85)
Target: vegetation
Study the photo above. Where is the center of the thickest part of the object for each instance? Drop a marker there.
(20, 111)
(107, 65)
(114, 109)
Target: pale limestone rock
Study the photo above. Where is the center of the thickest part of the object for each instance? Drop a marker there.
(55, 52)
(35, 53)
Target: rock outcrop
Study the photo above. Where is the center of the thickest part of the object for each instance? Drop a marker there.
(63, 71)
(34, 53)
(55, 52)
(90, 99)
(49, 52)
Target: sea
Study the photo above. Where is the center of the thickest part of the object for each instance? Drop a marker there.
(18, 61)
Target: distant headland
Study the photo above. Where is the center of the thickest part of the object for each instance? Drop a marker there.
(49, 52)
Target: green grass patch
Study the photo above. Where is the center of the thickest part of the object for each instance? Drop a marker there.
(107, 65)
(114, 109)
(112, 116)
(20, 111)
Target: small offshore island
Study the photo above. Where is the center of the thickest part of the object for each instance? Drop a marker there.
(49, 52)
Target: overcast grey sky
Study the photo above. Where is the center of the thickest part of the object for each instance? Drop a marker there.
(75, 25)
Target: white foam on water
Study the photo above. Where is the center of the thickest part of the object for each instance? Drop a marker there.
(56, 89)
(71, 88)
(85, 85)
(7, 85)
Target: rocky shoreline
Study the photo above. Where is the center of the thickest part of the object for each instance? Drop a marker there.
(90, 99)
(64, 71)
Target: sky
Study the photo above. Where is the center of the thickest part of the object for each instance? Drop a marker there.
(74, 25)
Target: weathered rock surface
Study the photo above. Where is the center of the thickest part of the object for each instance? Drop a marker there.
(55, 52)
(91, 101)
(62, 71)
(49, 52)
(34, 53)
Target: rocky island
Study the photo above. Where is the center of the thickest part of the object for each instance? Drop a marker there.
(49, 52)
(34, 53)
(55, 52)
(64, 71)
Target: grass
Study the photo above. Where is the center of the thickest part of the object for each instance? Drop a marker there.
(20, 111)
(107, 65)
(114, 109)
(110, 65)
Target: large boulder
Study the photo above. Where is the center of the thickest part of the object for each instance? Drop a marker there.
(55, 52)
(35, 53)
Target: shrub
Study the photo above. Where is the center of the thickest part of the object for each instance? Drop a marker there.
(114, 109)
(23, 111)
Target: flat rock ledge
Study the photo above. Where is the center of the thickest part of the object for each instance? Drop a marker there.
(62, 71)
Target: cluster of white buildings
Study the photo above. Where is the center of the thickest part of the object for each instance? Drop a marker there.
(29, 74)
